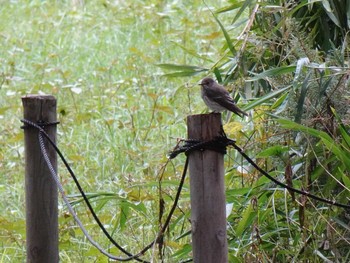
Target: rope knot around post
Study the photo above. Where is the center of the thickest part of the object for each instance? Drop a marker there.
(39, 125)
(218, 144)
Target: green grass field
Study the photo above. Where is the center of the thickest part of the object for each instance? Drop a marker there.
(119, 117)
(125, 75)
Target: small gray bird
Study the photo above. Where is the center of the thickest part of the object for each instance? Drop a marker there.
(217, 98)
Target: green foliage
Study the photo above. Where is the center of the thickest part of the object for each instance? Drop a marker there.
(285, 78)
(290, 66)
(327, 22)
(122, 105)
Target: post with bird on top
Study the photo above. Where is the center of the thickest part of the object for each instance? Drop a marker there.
(207, 188)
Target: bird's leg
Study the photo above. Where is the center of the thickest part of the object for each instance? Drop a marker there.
(222, 131)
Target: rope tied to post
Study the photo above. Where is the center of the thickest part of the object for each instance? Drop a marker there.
(218, 144)
(221, 142)
(39, 124)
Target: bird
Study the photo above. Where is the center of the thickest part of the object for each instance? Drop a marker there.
(217, 98)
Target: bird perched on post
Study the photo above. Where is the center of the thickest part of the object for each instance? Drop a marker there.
(217, 98)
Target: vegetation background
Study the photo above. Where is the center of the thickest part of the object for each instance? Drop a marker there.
(125, 75)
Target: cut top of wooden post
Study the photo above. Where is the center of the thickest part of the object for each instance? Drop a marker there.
(204, 126)
(30, 104)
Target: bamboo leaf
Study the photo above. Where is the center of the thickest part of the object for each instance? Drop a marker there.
(302, 97)
(226, 35)
(241, 10)
(287, 124)
(179, 67)
(247, 218)
(265, 98)
(181, 70)
(330, 12)
(184, 251)
(124, 213)
(274, 72)
(346, 180)
(217, 74)
(276, 150)
(342, 155)
(281, 103)
(324, 87)
(343, 131)
(241, 5)
(182, 74)
(230, 7)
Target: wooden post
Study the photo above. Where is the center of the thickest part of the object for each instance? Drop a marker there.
(40, 189)
(207, 189)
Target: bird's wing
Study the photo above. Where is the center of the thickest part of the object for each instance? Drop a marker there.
(223, 98)
(220, 96)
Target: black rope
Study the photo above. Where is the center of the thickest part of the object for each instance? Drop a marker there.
(40, 126)
(220, 143)
(315, 197)
(167, 221)
(160, 234)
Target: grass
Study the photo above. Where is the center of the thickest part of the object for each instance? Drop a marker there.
(118, 116)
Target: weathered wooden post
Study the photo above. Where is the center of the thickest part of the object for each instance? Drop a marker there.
(40, 189)
(208, 203)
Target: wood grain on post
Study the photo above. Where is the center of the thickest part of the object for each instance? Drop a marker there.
(40, 188)
(207, 189)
